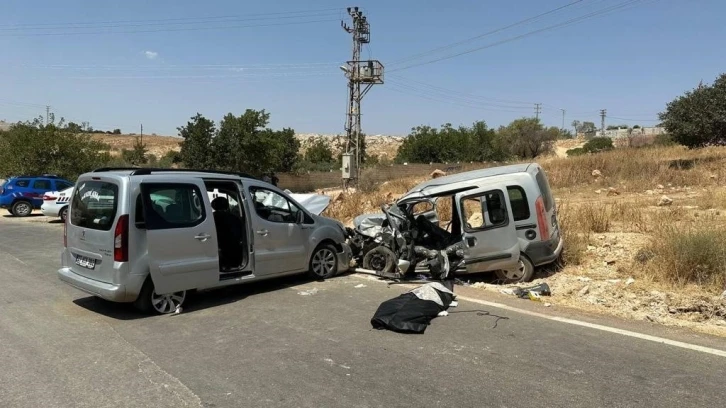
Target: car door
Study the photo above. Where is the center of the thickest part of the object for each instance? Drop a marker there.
(181, 236)
(490, 236)
(281, 244)
(38, 188)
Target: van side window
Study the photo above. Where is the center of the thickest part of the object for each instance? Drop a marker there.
(544, 188)
(518, 200)
(173, 206)
(484, 211)
(274, 207)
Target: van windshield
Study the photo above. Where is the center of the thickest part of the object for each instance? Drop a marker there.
(94, 205)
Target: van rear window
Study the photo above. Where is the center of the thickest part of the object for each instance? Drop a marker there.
(94, 205)
(544, 188)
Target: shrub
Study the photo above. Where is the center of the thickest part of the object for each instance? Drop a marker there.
(578, 151)
(689, 255)
(598, 144)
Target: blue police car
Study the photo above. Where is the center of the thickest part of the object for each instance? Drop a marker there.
(21, 194)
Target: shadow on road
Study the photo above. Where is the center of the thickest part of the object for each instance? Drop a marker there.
(33, 215)
(195, 301)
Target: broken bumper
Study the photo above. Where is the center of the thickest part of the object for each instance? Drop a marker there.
(542, 253)
(344, 258)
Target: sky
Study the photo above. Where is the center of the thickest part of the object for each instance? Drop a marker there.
(120, 64)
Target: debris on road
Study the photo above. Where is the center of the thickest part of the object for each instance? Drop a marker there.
(359, 286)
(308, 292)
(532, 292)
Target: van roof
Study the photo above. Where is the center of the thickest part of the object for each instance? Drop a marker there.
(141, 171)
(458, 182)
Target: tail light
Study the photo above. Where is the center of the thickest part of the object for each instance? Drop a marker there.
(47, 197)
(121, 239)
(544, 231)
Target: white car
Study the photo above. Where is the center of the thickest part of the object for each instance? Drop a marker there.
(55, 203)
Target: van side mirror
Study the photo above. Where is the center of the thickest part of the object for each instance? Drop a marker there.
(299, 217)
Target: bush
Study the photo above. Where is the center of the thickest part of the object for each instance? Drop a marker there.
(663, 140)
(598, 144)
(690, 255)
(578, 151)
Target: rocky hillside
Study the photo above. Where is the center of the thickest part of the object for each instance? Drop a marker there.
(378, 145)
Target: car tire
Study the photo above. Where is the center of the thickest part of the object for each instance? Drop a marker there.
(63, 214)
(324, 262)
(523, 273)
(150, 302)
(380, 259)
(22, 209)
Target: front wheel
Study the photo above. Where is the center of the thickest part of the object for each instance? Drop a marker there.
(524, 272)
(151, 302)
(324, 262)
(22, 209)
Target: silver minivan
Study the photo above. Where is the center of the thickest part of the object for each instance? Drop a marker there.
(500, 219)
(149, 236)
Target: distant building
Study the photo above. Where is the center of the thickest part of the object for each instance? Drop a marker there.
(622, 133)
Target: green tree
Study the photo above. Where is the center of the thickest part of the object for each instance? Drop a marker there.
(196, 149)
(116, 131)
(598, 144)
(243, 143)
(34, 148)
(527, 138)
(565, 134)
(137, 155)
(319, 152)
(698, 118)
(449, 144)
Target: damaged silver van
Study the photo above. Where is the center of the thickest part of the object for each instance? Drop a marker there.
(148, 236)
(501, 219)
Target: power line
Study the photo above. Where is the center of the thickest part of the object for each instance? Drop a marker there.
(470, 104)
(171, 21)
(460, 98)
(170, 29)
(451, 45)
(530, 33)
(465, 94)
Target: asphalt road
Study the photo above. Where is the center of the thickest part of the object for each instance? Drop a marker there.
(268, 345)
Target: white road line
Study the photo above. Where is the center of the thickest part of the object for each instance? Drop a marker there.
(656, 339)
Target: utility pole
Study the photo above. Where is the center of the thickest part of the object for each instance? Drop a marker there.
(366, 73)
(602, 122)
(563, 120)
(537, 109)
(142, 134)
(47, 114)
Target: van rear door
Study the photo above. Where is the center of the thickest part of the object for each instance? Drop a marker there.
(91, 228)
(180, 234)
(490, 237)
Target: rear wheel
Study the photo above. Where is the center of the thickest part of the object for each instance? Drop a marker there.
(22, 209)
(63, 214)
(324, 262)
(151, 302)
(524, 272)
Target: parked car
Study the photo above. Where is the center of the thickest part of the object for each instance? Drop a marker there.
(21, 195)
(501, 219)
(55, 203)
(149, 236)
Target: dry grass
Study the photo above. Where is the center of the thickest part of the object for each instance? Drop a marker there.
(692, 254)
(640, 169)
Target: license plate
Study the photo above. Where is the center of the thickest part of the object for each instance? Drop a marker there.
(85, 262)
